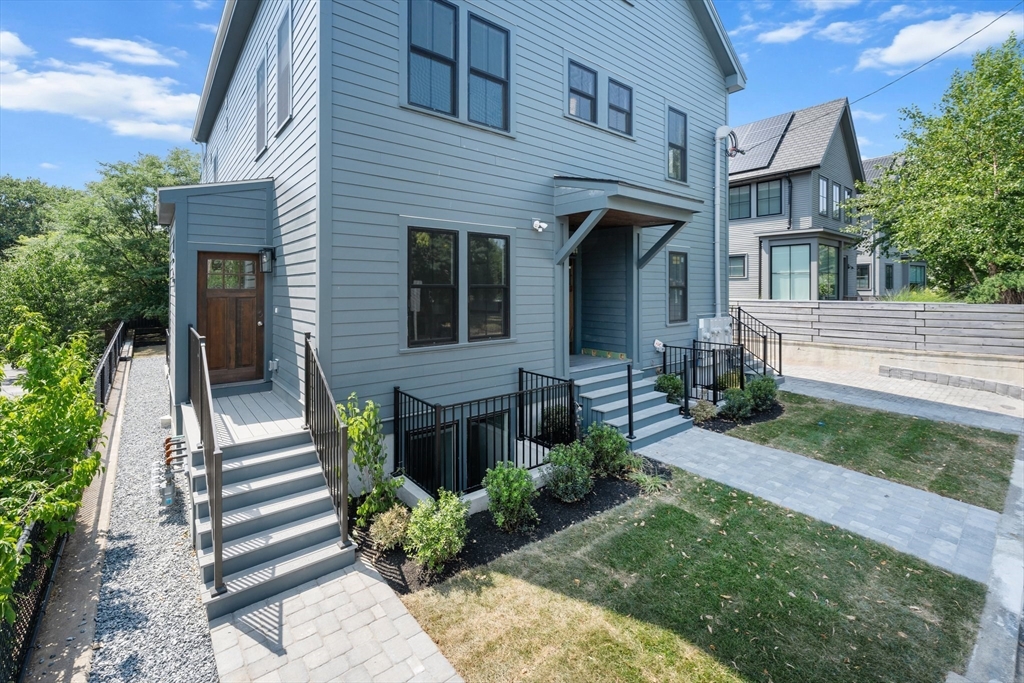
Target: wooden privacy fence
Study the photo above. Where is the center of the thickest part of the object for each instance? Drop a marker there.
(965, 328)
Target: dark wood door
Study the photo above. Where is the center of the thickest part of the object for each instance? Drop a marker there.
(231, 315)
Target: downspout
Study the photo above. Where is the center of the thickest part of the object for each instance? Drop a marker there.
(789, 211)
(722, 133)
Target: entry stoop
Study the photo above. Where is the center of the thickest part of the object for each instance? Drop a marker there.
(279, 525)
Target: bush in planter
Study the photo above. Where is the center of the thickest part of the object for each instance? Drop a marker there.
(569, 478)
(737, 405)
(510, 491)
(388, 530)
(671, 385)
(702, 411)
(762, 393)
(609, 448)
(437, 530)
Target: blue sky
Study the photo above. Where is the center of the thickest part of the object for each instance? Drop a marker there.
(85, 82)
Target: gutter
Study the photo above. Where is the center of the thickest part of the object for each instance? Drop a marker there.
(789, 210)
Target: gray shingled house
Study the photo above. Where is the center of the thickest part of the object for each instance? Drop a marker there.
(789, 234)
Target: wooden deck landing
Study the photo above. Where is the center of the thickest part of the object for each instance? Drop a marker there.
(250, 417)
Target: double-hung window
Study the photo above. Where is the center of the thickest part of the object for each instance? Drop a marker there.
(582, 92)
(836, 202)
(620, 107)
(739, 202)
(847, 196)
(863, 276)
(769, 198)
(888, 276)
(488, 287)
(676, 145)
(284, 70)
(488, 74)
(433, 28)
(917, 277)
(261, 107)
(433, 287)
(823, 196)
(677, 287)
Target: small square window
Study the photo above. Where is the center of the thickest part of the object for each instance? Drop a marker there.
(582, 92)
(620, 107)
(739, 202)
(738, 266)
(769, 198)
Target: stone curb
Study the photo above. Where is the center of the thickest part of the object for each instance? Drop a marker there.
(1000, 388)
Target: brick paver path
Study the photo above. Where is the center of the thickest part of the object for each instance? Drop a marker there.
(909, 397)
(346, 626)
(947, 533)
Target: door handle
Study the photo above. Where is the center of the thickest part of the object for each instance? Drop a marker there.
(259, 323)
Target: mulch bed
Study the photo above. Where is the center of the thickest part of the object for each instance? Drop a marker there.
(486, 542)
(722, 425)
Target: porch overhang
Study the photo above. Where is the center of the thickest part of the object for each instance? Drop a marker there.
(827, 233)
(588, 203)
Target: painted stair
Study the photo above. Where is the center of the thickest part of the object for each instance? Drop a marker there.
(279, 525)
(603, 393)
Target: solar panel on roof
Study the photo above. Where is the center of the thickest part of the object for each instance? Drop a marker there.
(759, 140)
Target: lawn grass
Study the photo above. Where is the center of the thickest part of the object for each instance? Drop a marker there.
(703, 583)
(966, 463)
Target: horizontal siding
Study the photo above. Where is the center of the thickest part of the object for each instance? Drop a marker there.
(604, 271)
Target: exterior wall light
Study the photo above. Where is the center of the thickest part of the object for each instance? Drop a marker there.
(267, 259)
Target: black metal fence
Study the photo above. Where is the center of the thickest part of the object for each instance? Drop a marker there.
(760, 341)
(707, 369)
(103, 378)
(452, 446)
(330, 436)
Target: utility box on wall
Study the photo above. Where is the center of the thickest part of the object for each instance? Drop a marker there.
(716, 330)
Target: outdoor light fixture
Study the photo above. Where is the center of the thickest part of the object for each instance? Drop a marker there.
(267, 259)
(539, 227)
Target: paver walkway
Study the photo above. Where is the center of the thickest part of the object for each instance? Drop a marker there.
(346, 626)
(945, 532)
(909, 397)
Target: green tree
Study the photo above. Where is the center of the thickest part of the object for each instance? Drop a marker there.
(123, 242)
(27, 208)
(957, 195)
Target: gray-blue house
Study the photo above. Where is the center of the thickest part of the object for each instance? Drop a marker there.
(441, 192)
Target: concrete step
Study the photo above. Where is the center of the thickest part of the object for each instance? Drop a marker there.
(607, 380)
(580, 373)
(263, 547)
(646, 417)
(254, 491)
(660, 430)
(270, 578)
(262, 464)
(266, 515)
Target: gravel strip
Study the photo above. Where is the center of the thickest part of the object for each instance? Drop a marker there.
(150, 622)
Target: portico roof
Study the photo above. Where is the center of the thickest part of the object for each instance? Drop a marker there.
(624, 203)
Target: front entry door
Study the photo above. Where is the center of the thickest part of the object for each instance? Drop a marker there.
(231, 315)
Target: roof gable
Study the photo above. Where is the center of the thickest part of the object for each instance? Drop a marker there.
(875, 167)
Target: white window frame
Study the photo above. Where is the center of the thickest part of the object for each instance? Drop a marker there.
(729, 267)
(837, 193)
(856, 276)
(261, 101)
(823, 184)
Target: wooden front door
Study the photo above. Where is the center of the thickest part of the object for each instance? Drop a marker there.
(231, 315)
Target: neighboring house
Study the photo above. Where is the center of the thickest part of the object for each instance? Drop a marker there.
(879, 273)
(788, 229)
(441, 192)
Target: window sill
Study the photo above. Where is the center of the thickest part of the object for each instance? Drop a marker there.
(456, 119)
(259, 155)
(680, 323)
(595, 126)
(460, 346)
(284, 124)
(684, 183)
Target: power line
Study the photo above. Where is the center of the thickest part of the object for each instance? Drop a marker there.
(897, 80)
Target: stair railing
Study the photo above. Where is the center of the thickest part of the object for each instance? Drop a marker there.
(330, 435)
(629, 399)
(202, 403)
(103, 378)
(675, 360)
(760, 341)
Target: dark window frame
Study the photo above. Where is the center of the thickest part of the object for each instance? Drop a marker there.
(452, 62)
(729, 268)
(836, 201)
(889, 276)
(866, 277)
(614, 107)
(454, 286)
(579, 93)
(847, 196)
(910, 277)
(768, 186)
(683, 166)
(684, 287)
(739, 204)
(506, 83)
(823, 186)
(506, 288)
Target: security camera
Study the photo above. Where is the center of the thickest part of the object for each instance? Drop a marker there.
(539, 227)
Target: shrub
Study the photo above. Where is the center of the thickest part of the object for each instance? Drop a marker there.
(650, 484)
(728, 380)
(609, 448)
(702, 411)
(762, 393)
(554, 423)
(569, 478)
(437, 530)
(510, 491)
(737, 405)
(671, 385)
(388, 530)
(1004, 288)
(366, 437)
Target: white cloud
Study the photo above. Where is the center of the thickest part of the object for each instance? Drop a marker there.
(745, 28)
(901, 12)
(867, 115)
(11, 48)
(863, 141)
(828, 5)
(127, 104)
(212, 28)
(920, 42)
(844, 32)
(787, 33)
(202, 4)
(127, 51)
(48, 166)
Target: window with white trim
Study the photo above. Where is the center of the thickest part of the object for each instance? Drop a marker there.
(738, 266)
(863, 276)
(836, 201)
(739, 202)
(284, 69)
(261, 107)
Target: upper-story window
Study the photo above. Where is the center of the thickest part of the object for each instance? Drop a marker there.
(836, 202)
(284, 70)
(620, 107)
(847, 214)
(769, 198)
(823, 196)
(582, 92)
(739, 202)
(676, 145)
(433, 59)
(261, 107)
(488, 74)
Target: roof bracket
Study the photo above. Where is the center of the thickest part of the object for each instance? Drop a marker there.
(581, 234)
(660, 244)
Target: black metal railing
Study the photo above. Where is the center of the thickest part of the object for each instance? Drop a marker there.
(452, 446)
(759, 340)
(715, 368)
(201, 397)
(103, 378)
(330, 436)
(676, 361)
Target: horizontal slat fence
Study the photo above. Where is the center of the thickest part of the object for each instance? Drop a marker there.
(965, 328)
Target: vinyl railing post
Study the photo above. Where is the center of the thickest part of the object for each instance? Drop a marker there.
(629, 396)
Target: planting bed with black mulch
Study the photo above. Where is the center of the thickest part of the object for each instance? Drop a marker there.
(486, 542)
(722, 425)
